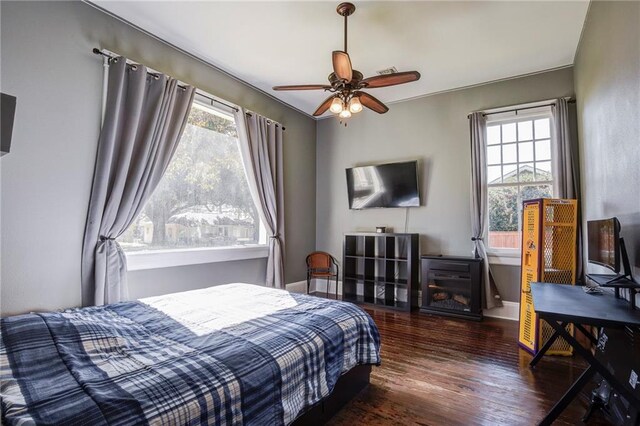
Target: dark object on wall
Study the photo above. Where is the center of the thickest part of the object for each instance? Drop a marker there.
(381, 270)
(384, 185)
(452, 286)
(381, 229)
(8, 110)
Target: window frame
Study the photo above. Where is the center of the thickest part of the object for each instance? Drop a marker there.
(157, 259)
(167, 258)
(512, 256)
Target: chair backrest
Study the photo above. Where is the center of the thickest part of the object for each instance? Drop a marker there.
(319, 260)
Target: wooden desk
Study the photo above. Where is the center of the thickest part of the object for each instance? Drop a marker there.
(563, 304)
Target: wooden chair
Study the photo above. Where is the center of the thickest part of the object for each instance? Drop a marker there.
(321, 264)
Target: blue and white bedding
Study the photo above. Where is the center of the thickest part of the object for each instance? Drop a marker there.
(231, 354)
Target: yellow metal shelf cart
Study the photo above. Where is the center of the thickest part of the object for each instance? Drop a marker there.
(549, 232)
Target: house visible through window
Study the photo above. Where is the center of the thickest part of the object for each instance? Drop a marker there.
(518, 169)
(203, 199)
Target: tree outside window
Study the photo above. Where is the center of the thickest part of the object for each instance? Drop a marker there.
(203, 199)
(518, 169)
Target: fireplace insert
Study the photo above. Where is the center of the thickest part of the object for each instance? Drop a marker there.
(452, 286)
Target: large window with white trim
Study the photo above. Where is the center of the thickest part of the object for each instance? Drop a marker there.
(519, 167)
(203, 199)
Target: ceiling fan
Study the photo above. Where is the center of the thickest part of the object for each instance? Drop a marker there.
(346, 84)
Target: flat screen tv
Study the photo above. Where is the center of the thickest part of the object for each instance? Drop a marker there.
(7, 111)
(384, 185)
(604, 243)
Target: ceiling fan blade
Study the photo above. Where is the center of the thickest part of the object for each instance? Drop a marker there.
(390, 79)
(303, 87)
(342, 65)
(372, 103)
(324, 106)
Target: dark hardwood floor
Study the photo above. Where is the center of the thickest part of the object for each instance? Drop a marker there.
(442, 371)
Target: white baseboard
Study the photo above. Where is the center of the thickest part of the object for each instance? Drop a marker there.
(508, 311)
(316, 285)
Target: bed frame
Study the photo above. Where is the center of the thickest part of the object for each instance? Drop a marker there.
(347, 387)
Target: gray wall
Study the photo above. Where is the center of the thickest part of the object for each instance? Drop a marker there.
(433, 129)
(47, 63)
(154, 282)
(607, 82)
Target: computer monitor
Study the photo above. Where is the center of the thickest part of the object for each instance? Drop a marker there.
(604, 243)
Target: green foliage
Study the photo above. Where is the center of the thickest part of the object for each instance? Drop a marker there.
(505, 202)
(503, 208)
(206, 173)
(201, 118)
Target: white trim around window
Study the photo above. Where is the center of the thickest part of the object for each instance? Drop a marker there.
(155, 259)
(504, 257)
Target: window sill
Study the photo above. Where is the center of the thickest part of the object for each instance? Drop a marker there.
(506, 259)
(169, 258)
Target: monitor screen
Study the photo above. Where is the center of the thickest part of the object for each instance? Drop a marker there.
(604, 243)
(384, 185)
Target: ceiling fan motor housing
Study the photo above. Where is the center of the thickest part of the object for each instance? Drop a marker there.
(355, 79)
(346, 9)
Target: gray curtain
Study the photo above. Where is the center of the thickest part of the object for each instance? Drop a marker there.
(479, 211)
(261, 148)
(144, 118)
(565, 166)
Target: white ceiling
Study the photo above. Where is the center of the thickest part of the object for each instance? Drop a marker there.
(452, 44)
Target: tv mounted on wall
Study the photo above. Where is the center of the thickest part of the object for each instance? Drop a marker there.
(383, 185)
(7, 111)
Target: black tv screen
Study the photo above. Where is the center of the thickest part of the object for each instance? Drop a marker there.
(7, 112)
(384, 185)
(604, 243)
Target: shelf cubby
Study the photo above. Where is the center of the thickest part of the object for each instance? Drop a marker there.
(381, 269)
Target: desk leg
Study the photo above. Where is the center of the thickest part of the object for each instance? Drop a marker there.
(586, 333)
(568, 397)
(593, 362)
(545, 348)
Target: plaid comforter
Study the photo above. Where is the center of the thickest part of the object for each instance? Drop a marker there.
(232, 354)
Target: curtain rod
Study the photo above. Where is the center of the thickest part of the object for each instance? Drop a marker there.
(571, 101)
(199, 92)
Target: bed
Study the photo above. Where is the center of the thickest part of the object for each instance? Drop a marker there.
(230, 354)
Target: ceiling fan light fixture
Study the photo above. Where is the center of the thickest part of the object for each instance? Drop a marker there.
(347, 84)
(337, 106)
(345, 113)
(354, 105)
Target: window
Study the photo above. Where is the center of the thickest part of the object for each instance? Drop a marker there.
(518, 168)
(203, 199)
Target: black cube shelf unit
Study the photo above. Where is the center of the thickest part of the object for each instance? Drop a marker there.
(381, 269)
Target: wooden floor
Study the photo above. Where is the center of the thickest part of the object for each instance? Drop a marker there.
(442, 371)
